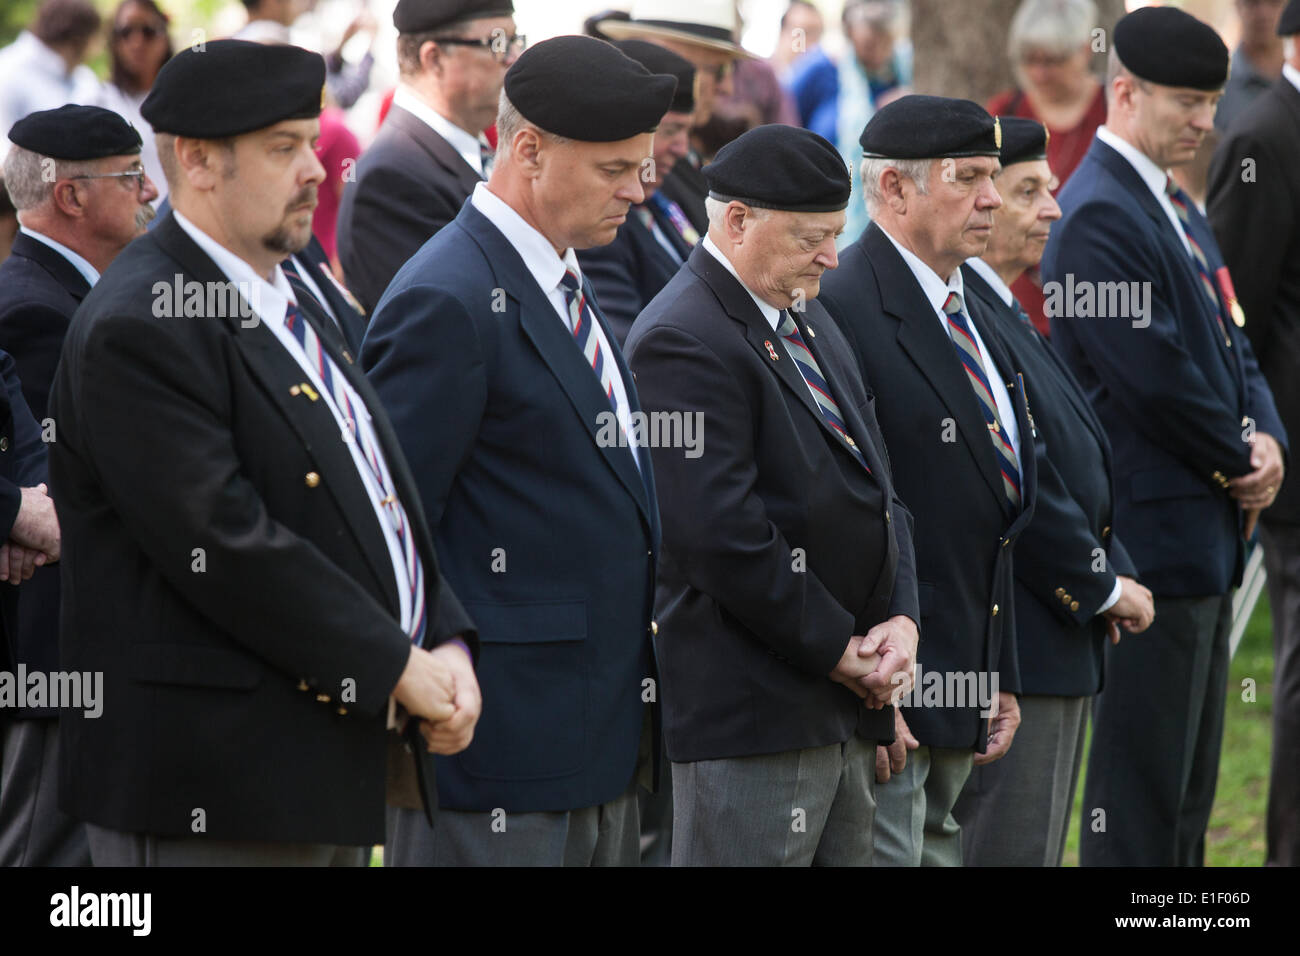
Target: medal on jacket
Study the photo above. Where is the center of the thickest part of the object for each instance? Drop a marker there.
(771, 351)
(1230, 296)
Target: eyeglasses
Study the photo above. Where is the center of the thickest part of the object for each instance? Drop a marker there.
(136, 174)
(499, 45)
(146, 30)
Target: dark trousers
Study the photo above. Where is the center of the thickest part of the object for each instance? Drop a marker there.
(33, 830)
(1157, 731)
(1282, 561)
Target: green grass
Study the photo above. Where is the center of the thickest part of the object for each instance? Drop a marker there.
(1236, 833)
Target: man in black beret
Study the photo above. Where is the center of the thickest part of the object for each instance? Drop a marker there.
(1257, 224)
(1145, 314)
(245, 557)
(1074, 580)
(787, 599)
(511, 397)
(656, 239)
(954, 416)
(75, 177)
(431, 151)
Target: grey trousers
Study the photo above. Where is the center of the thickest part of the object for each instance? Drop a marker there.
(1016, 810)
(111, 847)
(914, 822)
(604, 835)
(1282, 561)
(33, 830)
(811, 807)
(1156, 734)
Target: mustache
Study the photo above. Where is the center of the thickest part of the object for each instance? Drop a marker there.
(305, 196)
(145, 215)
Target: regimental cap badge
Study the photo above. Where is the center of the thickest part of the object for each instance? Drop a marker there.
(997, 133)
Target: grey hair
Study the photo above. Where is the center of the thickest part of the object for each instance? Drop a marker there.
(917, 170)
(717, 211)
(1057, 26)
(510, 121)
(29, 177)
(1115, 69)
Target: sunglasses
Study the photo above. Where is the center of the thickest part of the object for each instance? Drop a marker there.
(501, 47)
(146, 30)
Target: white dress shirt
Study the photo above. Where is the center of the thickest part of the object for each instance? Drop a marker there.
(1151, 174)
(88, 272)
(985, 271)
(270, 300)
(34, 77)
(936, 292)
(770, 312)
(1292, 74)
(547, 269)
(468, 145)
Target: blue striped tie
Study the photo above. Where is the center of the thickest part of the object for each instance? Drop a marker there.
(339, 390)
(807, 365)
(584, 333)
(969, 354)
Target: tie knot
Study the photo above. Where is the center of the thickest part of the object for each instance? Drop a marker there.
(787, 326)
(570, 282)
(1171, 186)
(952, 304)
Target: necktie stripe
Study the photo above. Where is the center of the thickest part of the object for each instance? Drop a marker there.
(1179, 200)
(584, 333)
(811, 372)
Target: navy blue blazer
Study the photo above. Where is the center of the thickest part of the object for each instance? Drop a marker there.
(39, 291)
(631, 270)
(1175, 400)
(778, 545)
(945, 470)
(1068, 558)
(548, 535)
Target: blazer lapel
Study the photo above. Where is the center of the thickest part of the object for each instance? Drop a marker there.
(316, 426)
(547, 332)
(921, 335)
(435, 146)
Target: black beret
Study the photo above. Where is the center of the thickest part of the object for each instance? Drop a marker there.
(1023, 140)
(585, 89)
(230, 87)
(1289, 23)
(658, 59)
(76, 132)
(780, 167)
(931, 127)
(422, 16)
(1167, 46)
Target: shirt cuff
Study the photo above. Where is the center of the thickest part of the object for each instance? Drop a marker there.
(1111, 601)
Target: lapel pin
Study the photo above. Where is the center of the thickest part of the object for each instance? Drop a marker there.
(309, 391)
(811, 333)
(771, 351)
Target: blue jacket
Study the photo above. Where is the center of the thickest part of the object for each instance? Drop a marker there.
(549, 536)
(1174, 397)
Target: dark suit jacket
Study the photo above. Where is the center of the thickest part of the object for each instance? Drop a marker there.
(548, 535)
(778, 546)
(409, 184)
(964, 526)
(1256, 219)
(687, 187)
(223, 567)
(631, 270)
(39, 291)
(1068, 558)
(1172, 397)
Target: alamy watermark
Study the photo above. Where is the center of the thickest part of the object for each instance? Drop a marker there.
(71, 690)
(683, 430)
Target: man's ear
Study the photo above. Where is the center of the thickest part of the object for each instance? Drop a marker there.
(70, 199)
(198, 162)
(734, 221)
(526, 149)
(892, 189)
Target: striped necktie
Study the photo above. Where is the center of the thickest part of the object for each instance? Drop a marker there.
(676, 217)
(584, 333)
(1180, 201)
(486, 155)
(306, 298)
(969, 353)
(807, 365)
(344, 400)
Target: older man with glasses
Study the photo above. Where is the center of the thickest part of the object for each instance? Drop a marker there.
(75, 177)
(431, 152)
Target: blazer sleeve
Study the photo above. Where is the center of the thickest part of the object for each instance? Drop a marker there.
(295, 608)
(423, 355)
(905, 599)
(718, 528)
(1148, 370)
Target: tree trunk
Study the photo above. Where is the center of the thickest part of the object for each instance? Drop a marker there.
(960, 49)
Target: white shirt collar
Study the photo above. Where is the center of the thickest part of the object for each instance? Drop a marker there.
(539, 256)
(935, 288)
(1292, 74)
(1151, 174)
(771, 313)
(468, 145)
(987, 273)
(88, 272)
(268, 299)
